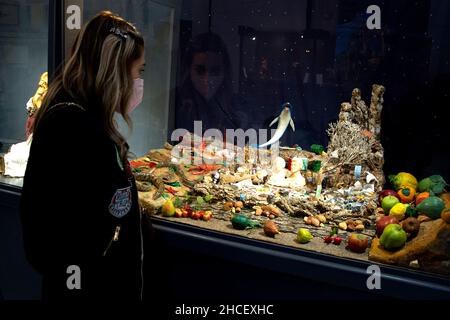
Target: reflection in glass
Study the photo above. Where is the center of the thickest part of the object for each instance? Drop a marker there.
(23, 59)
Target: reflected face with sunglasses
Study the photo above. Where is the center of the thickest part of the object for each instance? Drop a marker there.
(207, 73)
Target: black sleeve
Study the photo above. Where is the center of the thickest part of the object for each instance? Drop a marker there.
(63, 201)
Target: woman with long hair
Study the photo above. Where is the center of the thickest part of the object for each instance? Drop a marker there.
(205, 91)
(79, 207)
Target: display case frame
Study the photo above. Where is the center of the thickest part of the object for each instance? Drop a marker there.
(254, 256)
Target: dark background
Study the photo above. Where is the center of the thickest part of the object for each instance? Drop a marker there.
(409, 56)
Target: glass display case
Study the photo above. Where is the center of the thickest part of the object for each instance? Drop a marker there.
(350, 74)
(278, 134)
(23, 52)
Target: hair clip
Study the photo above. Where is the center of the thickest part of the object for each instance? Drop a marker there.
(119, 32)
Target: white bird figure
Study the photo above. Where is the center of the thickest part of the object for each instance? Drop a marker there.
(284, 119)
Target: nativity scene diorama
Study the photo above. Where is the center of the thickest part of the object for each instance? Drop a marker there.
(330, 200)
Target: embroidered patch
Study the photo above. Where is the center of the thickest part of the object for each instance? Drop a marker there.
(120, 203)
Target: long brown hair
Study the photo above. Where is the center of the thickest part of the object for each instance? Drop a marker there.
(98, 72)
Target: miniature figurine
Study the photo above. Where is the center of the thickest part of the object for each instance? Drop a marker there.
(35, 102)
(296, 179)
(254, 169)
(216, 177)
(310, 180)
(260, 175)
(278, 177)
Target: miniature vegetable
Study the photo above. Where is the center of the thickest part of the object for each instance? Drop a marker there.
(431, 207)
(196, 215)
(393, 237)
(357, 243)
(422, 196)
(434, 185)
(384, 222)
(270, 229)
(171, 190)
(383, 194)
(187, 211)
(207, 216)
(398, 211)
(388, 202)
(200, 200)
(174, 184)
(315, 165)
(328, 239)
(168, 209)
(406, 194)
(241, 222)
(178, 203)
(411, 226)
(317, 149)
(304, 236)
(411, 212)
(178, 212)
(403, 179)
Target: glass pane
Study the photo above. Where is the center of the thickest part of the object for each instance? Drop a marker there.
(236, 65)
(241, 61)
(23, 56)
(313, 53)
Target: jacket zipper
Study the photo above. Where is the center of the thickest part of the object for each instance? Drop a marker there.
(115, 238)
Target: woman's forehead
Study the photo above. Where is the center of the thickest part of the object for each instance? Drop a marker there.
(207, 58)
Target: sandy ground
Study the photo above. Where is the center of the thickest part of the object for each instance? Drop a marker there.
(286, 239)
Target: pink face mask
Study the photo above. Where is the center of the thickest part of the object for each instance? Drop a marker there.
(137, 95)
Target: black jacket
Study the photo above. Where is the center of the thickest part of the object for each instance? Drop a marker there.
(76, 193)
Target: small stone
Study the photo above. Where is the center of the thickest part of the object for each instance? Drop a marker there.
(271, 216)
(359, 227)
(258, 211)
